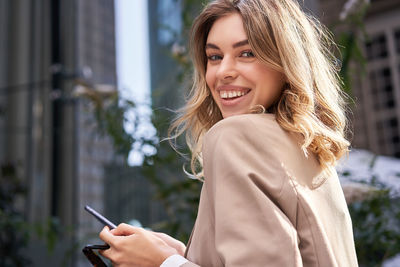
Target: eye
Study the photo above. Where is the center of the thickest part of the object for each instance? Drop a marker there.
(214, 57)
(247, 54)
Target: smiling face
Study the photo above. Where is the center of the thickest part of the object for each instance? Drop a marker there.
(237, 79)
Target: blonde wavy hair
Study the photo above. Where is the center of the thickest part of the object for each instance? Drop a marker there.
(288, 40)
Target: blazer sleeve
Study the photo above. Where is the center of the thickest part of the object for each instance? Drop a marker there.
(244, 182)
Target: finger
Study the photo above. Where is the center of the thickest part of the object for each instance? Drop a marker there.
(104, 252)
(160, 235)
(106, 235)
(107, 253)
(126, 229)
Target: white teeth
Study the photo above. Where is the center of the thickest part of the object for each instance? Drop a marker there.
(231, 94)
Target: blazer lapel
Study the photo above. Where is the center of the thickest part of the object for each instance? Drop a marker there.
(190, 240)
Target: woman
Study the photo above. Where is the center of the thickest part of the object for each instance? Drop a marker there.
(265, 123)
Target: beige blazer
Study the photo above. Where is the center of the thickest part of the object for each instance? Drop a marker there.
(264, 203)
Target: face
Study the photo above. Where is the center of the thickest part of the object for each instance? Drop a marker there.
(237, 79)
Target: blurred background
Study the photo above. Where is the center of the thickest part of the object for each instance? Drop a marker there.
(87, 90)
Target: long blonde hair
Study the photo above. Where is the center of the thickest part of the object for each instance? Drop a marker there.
(283, 37)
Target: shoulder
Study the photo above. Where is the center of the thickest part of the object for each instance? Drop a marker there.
(258, 138)
(247, 139)
(247, 124)
(258, 131)
(247, 120)
(242, 151)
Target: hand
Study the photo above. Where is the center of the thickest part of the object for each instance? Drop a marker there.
(134, 246)
(172, 242)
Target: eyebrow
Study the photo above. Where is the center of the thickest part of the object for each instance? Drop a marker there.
(235, 45)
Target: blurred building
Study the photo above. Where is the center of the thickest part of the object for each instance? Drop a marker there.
(48, 48)
(165, 35)
(95, 54)
(377, 90)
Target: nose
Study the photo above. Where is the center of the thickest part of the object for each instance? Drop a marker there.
(227, 69)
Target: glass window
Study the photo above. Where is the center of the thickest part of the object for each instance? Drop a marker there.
(376, 47)
(382, 89)
(388, 135)
(169, 20)
(397, 40)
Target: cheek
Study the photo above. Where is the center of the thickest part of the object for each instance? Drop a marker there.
(210, 81)
(210, 78)
(271, 86)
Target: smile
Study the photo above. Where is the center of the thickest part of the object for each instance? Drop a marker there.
(231, 94)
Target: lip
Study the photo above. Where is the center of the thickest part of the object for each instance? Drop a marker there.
(232, 88)
(235, 101)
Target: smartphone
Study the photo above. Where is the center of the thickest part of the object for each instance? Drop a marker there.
(94, 259)
(105, 246)
(88, 249)
(100, 217)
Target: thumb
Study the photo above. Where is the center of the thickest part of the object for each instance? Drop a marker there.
(106, 235)
(126, 229)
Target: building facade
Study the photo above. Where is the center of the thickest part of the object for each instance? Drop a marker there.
(376, 86)
(47, 48)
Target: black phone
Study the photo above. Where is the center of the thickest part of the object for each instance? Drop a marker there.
(105, 246)
(94, 259)
(88, 249)
(100, 217)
